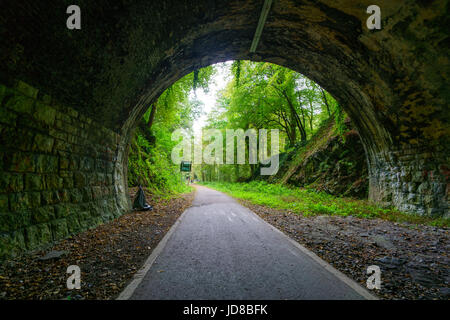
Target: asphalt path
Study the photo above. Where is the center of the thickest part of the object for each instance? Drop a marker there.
(222, 250)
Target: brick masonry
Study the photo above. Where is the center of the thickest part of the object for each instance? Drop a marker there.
(412, 179)
(57, 171)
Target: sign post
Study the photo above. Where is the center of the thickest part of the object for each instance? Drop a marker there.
(185, 166)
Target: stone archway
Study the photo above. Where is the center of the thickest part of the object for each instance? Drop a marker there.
(392, 83)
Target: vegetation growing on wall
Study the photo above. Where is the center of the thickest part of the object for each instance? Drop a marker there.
(150, 163)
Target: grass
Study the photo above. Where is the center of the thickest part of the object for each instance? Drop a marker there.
(311, 203)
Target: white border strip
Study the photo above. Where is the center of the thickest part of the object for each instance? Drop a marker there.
(139, 276)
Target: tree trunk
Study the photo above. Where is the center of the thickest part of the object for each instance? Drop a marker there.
(312, 115)
(324, 97)
(295, 118)
(293, 129)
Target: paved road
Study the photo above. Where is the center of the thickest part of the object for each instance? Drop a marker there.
(222, 250)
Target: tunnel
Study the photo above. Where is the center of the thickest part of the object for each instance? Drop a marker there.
(71, 98)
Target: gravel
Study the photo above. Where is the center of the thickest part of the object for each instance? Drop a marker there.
(414, 259)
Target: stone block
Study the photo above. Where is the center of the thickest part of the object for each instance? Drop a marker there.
(7, 117)
(59, 229)
(79, 179)
(86, 164)
(72, 130)
(64, 195)
(47, 198)
(63, 210)
(26, 89)
(11, 182)
(7, 136)
(105, 191)
(34, 199)
(37, 235)
(109, 179)
(424, 188)
(100, 165)
(64, 163)
(59, 124)
(73, 165)
(411, 197)
(387, 197)
(24, 139)
(412, 187)
(97, 192)
(53, 181)
(76, 196)
(64, 117)
(73, 224)
(46, 99)
(34, 182)
(11, 221)
(56, 196)
(110, 167)
(417, 176)
(84, 219)
(3, 91)
(43, 143)
(404, 188)
(20, 104)
(87, 194)
(19, 201)
(58, 134)
(46, 163)
(435, 212)
(73, 113)
(5, 222)
(43, 214)
(19, 162)
(438, 188)
(11, 244)
(428, 200)
(44, 114)
(62, 145)
(68, 182)
(72, 139)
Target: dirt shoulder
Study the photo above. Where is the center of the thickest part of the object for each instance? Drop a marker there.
(414, 259)
(107, 255)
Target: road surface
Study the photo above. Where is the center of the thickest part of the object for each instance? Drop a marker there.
(222, 250)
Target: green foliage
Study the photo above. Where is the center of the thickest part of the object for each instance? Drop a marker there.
(339, 117)
(268, 96)
(151, 166)
(264, 95)
(149, 161)
(236, 68)
(308, 202)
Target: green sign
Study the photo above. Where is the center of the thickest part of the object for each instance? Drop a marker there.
(185, 166)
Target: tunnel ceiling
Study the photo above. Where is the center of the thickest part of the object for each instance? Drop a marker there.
(128, 52)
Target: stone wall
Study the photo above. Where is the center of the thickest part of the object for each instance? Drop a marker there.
(56, 171)
(412, 179)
